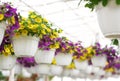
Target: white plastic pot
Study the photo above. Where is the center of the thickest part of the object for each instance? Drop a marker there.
(56, 70)
(7, 62)
(2, 30)
(18, 69)
(32, 70)
(44, 56)
(99, 61)
(109, 17)
(25, 45)
(66, 72)
(63, 59)
(88, 69)
(81, 65)
(43, 69)
(74, 73)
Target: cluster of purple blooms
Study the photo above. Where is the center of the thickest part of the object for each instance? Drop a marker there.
(9, 12)
(26, 61)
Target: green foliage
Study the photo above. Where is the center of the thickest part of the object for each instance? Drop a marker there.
(115, 42)
(92, 3)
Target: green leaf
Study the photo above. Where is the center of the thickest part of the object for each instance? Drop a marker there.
(115, 42)
(104, 2)
(118, 2)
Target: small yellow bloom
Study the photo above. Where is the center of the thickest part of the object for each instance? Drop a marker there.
(41, 36)
(32, 16)
(82, 58)
(21, 26)
(74, 57)
(54, 61)
(71, 51)
(57, 45)
(43, 32)
(1, 16)
(17, 34)
(43, 26)
(24, 32)
(52, 37)
(48, 30)
(110, 70)
(45, 20)
(13, 19)
(60, 31)
(31, 26)
(71, 66)
(38, 20)
(7, 50)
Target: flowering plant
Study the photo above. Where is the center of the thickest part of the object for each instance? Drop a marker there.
(92, 3)
(33, 25)
(9, 14)
(6, 47)
(66, 46)
(50, 41)
(82, 53)
(26, 61)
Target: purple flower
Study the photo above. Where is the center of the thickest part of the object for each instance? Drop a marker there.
(26, 61)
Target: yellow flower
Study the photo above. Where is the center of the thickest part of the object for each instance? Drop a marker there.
(38, 20)
(74, 57)
(43, 32)
(43, 25)
(51, 46)
(24, 32)
(32, 16)
(7, 50)
(71, 66)
(89, 49)
(21, 26)
(41, 36)
(1, 16)
(17, 34)
(52, 37)
(48, 30)
(45, 20)
(71, 51)
(31, 26)
(54, 61)
(57, 45)
(82, 58)
(60, 31)
(13, 20)
(110, 70)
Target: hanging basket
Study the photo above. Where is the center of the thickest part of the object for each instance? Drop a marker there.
(7, 62)
(18, 69)
(25, 46)
(56, 70)
(66, 72)
(109, 17)
(81, 65)
(32, 70)
(44, 56)
(63, 59)
(43, 69)
(2, 30)
(74, 73)
(99, 61)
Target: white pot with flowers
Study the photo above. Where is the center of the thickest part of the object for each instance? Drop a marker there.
(7, 57)
(8, 19)
(26, 38)
(108, 15)
(65, 52)
(47, 47)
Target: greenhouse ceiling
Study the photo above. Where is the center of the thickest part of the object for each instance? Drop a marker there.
(78, 22)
